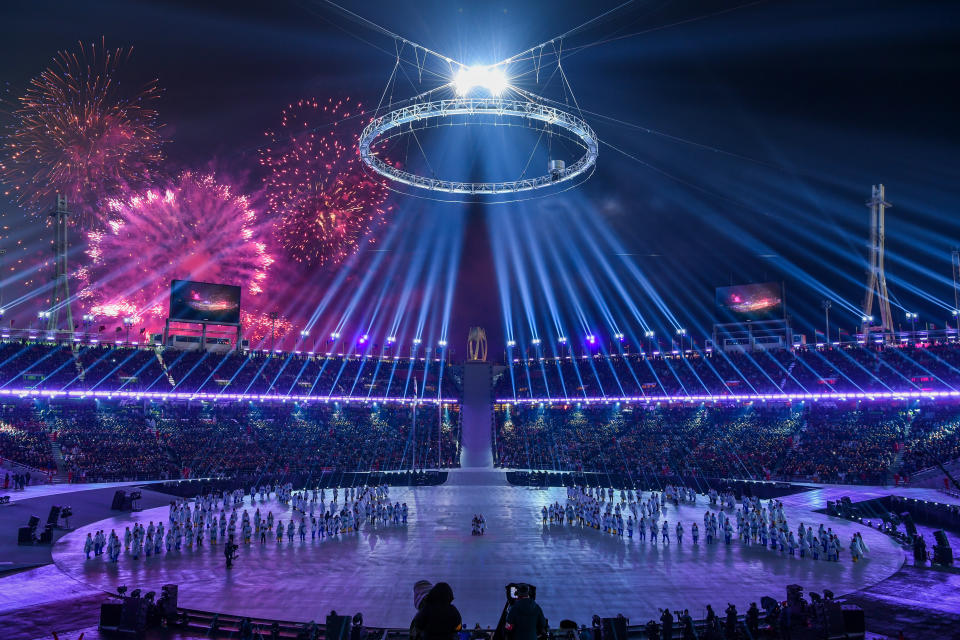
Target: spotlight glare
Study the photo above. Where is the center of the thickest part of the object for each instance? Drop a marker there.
(535, 341)
(511, 343)
(493, 79)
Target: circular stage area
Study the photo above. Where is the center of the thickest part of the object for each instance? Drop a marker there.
(578, 572)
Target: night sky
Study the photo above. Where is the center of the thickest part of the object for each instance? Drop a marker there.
(755, 131)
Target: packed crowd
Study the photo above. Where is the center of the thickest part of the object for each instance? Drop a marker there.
(756, 524)
(24, 439)
(58, 367)
(847, 369)
(856, 443)
(100, 440)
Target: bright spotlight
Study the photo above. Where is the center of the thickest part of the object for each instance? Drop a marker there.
(511, 343)
(391, 339)
(493, 79)
(442, 343)
(535, 341)
(417, 341)
(562, 340)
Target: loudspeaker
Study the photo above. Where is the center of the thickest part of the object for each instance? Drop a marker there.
(338, 627)
(853, 619)
(54, 515)
(613, 628)
(110, 615)
(47, 536)
(25, 535)
(941, 538)
(34, 522)
(119, 497)
(134, 613)
(942, 555)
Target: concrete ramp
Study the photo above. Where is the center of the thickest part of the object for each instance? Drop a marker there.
(473, 477)
(477, 417)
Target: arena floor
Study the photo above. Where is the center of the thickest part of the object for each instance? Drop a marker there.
(578, 572)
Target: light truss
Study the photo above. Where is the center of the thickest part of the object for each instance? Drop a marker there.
(526, 112)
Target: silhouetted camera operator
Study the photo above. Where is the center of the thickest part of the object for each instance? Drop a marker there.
(230, 551)
(525, 619)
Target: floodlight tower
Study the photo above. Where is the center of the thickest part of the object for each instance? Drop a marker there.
(61, 284)
(876, 277)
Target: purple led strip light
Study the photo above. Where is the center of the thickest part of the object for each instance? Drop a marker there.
(762, 397)
(172, 395)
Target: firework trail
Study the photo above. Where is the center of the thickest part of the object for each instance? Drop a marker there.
(75, 131)
(194, 229)
(323, 201)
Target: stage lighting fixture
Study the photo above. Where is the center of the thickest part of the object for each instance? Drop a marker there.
(304, 333)
(511, 343)
(681, 332)
(562, 340)
(592, 339)
(619, 336)
(535, 341)
(417, 341)
(335, 335)
(442, 343)
(867, 318)
(391, 339)
(648, 334)
(493, 79)
(2, 312)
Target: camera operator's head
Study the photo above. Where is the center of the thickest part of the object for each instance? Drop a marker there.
(523, 591)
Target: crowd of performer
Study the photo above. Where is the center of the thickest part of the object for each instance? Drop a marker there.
(755, 523)
(224, 518)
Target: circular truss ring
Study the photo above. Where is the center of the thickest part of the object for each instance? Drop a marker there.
(526, 110)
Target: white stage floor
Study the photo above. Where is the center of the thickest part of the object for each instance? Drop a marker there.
(577, 572)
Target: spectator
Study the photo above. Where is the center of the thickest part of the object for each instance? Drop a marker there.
(437, 618)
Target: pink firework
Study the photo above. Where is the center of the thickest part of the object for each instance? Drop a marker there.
(78, 133)
(261, 329)
(196, 228)
(323, 201)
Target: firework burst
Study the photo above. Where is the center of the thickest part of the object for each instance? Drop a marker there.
(194, 229)
(323, 201)
(75, 131)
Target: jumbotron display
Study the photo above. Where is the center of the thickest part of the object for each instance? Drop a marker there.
(761, 301)
(204, 302)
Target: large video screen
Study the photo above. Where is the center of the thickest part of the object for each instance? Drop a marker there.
(762, 301)
(204, 302)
